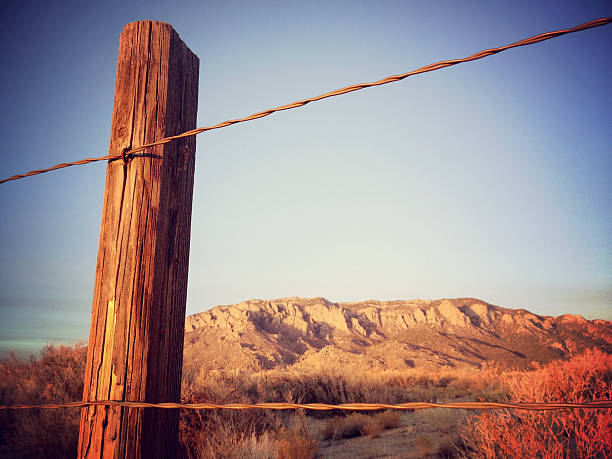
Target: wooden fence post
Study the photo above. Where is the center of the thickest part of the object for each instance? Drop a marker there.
(135, 350)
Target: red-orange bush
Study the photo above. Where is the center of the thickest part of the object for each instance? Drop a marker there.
(563, 433)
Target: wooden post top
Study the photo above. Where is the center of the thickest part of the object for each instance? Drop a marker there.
(147, 22)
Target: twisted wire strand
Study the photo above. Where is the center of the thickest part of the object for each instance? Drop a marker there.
(60, 166)
(599, 404)
(337, 92)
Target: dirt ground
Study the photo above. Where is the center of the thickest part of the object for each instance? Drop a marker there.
(422, 434)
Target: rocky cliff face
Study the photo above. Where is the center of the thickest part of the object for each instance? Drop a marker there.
(313, 333)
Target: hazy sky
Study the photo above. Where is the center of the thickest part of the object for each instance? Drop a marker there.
(490, 179)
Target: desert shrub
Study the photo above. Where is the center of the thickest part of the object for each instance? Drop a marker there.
(336, 387)
(240, 434)
(289, 443)
(448, 446)
(301, 387)
(447, 384)
(55, 377)
(332, 428)
(297, 442)
(226, 434)
(372, 428)
(209, 433)
(325, 387)
(560, 433)
(358, 424)
(346, 427)
(221, 433)
(297, 448)
(389, 419)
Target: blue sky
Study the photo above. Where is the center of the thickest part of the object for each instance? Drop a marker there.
(490, 179)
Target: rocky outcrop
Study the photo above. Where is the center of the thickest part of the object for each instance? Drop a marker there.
(311, 332)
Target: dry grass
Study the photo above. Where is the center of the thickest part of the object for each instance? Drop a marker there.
(240, 434)
(225, 433)
(441, 420)
(297, 442)
(253, 435)
(334, 387)
(57, 376)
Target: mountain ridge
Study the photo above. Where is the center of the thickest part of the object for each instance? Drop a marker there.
(314, 333)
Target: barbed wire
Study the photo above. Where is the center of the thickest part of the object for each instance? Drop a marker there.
(356, 87)
(599, 404)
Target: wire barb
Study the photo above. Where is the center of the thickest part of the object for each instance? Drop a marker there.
(355, 87)
(599, 404)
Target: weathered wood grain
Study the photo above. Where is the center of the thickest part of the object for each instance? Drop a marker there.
(137, 325)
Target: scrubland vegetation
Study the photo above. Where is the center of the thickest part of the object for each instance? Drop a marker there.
(57, 377)
(357, 424)
(237, 434)
(565, 433)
